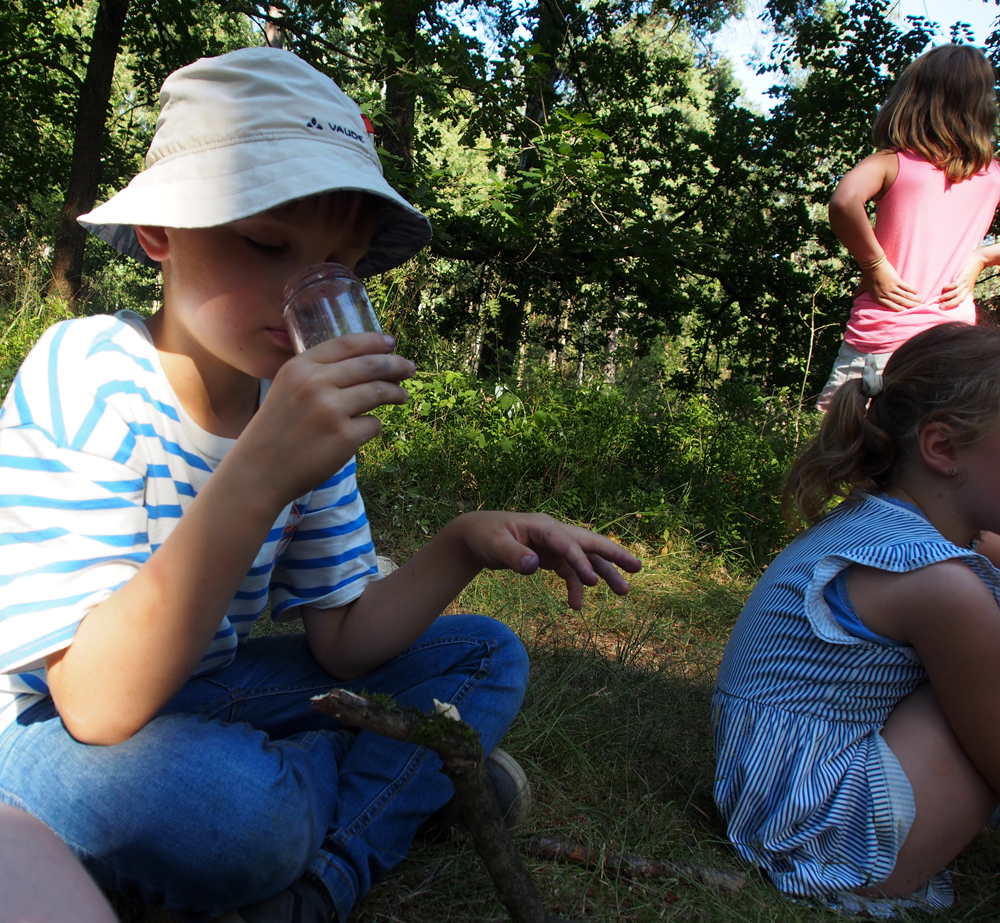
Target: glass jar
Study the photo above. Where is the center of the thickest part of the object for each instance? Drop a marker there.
(325, 301)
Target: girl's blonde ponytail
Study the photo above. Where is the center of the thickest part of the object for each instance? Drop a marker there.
(849, 452)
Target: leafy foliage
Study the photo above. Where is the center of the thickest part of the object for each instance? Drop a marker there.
(649, 466)
(601, 203)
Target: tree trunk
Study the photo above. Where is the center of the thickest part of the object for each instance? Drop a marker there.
(548, 35)
(273, 35)
(85, 169)
(501, 344)
(399, 18)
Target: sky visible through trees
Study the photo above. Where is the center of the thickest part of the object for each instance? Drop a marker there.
(746, 40)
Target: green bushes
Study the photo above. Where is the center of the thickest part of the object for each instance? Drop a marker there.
(20, 327)
(639, 460)
(655, 468)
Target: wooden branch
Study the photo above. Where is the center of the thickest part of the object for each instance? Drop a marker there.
(635, 866)
(37, 58)
(458, 745)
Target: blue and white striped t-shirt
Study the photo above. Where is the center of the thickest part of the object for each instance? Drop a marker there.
(98, 461)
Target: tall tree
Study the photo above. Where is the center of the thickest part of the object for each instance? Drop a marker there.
(40, 51)
(85, 169)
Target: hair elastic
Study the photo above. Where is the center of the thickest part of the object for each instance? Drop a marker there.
(871, 378)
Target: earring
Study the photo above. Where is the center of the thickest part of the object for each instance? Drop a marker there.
(951, 472)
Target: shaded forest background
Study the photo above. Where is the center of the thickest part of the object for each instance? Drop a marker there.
(632, 291)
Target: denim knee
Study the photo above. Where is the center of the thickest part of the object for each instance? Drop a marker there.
(509, 653)
(513, 657)
(189, 813)
(508, 661)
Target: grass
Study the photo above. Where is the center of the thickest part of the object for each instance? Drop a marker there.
(615, 735)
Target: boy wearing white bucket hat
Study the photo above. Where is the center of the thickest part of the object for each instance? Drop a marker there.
(154, 500)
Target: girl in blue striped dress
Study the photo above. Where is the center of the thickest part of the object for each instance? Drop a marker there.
(856, 708)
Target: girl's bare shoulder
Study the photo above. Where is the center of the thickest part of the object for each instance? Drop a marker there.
(910, 606)
(871, 178)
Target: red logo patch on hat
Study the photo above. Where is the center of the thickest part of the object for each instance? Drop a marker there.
(368, 124)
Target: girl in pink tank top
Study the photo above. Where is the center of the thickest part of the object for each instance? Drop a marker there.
(936, 185)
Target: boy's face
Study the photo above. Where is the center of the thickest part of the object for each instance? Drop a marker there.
(222, 286)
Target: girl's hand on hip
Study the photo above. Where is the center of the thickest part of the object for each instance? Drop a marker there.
(524, 542)
(884, 284)
(961, 287)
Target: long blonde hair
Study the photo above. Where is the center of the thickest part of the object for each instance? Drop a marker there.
(948, 374)
(944, 108)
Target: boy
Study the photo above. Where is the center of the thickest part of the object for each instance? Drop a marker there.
(153, 499)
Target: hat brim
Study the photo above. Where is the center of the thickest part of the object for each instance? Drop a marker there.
(211, 186)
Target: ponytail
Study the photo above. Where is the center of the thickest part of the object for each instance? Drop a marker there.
(949, 374)
(849, 452)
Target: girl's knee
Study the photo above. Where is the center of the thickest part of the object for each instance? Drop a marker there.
(40, 878)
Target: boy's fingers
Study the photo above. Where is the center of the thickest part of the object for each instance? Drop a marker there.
(369, 367)
(338, 349)
(346, 373)
(363, 428)
(560, 541)
(600, 546)
(366, 396)
(609, 573)
(574, 587)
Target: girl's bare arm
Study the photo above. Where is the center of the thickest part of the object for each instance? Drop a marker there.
(870, 179)
(950, 617)
(953, 294)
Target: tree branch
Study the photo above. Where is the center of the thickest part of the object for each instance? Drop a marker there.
(462, 754)
(45, 62)
(298, 29)
(636, 866)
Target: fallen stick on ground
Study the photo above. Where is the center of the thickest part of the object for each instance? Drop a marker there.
(635, 866)
(458, 746)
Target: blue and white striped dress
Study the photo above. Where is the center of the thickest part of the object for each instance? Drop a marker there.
(98, 462)
(807, 787)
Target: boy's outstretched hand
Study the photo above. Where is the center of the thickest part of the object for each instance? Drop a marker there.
(392, 613)
(524, 542)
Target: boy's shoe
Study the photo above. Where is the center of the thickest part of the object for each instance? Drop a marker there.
(511, 786)
(305, 901)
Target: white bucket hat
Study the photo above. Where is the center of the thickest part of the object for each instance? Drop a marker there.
(247, 131)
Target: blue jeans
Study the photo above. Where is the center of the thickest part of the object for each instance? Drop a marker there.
(237, 788)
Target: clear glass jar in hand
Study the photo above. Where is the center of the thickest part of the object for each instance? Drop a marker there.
(325, 301)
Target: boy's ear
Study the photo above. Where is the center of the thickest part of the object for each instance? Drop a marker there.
(936, 443)
(154, 241)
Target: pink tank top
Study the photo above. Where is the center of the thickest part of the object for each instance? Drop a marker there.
(927, 227)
